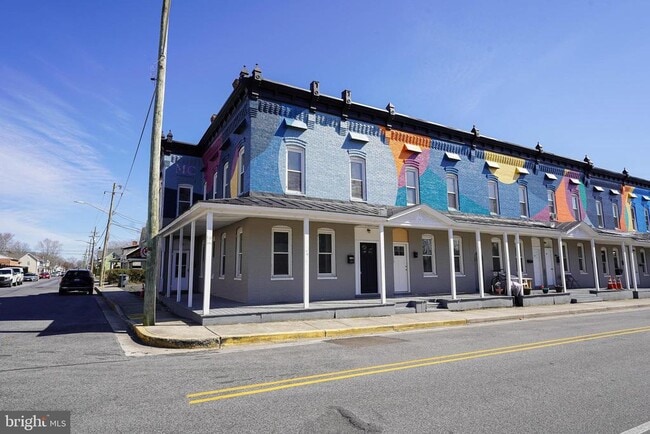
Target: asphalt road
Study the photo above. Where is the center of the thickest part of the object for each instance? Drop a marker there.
(581, 374)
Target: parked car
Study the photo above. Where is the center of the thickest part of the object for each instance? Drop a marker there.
(44, 275)
(7, 277)
(19, 275)
(30, 277)
(77, 280)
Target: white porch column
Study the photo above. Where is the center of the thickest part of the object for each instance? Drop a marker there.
(179, 267)
(595, 264)
(520, 272)
(633, 267)
(562, 275)
(506, 253)
(161, 270)
(382, 264)
(452, 267)
(190, 288)
(479, 264)
(207, 278)
(169, 265)
(305, 263)
(626, 266)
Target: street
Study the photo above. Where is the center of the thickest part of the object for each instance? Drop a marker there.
(577, 374)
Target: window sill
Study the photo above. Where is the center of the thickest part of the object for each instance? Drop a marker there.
(281, 278)
(237, 278)
(222, 277)
(460, 275)
(429, 275)
(327, 278)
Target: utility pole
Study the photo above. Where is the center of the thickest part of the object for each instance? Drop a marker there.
(108, 226)
(153, 260)
(92, 250)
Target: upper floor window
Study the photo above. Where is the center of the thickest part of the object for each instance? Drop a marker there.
(552, 210)
(647, 219)
(497, 265)
(428, 255)
(326, 255)
(241, 169)
(184, 199)
(295, 170)
(215, 181)
(281, 255)
(225, 187)
(412, 187)
(523, 201)
(357, 178)
(240, 253)
(582, 264)
(615, 214)
(493, 197)
(575, 205)
(458, 256)
(599, 213)
(632, 216)
(452, 192)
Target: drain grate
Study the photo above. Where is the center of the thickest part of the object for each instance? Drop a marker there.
(364, 341)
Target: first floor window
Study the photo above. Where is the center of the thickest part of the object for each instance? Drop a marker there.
(281, 255)
(184, 199)
(496, 255)
(326, 265)
(643, 265)
(582, 265)
(604, 263)
(565, 258)
(428, 255)
(522, 257)
(458, 256)
(617, 267)
(240, 252)
(222, 261)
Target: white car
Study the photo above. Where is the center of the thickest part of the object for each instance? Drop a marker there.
(7, 277)
(19, 275)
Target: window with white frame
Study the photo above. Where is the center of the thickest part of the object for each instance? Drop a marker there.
(599, 213)
(458, 256)
(412, 186)
(582, 264)
(184, 198)
(239, 253)
(215, 182)
(225, 190)
(552, 209)
(205, 190)
(523, 201)
(452, 192)
(222, 259)
(428, 255)
(643, 264)
(241, 170)
(326, 253)
(646, 213)
(575, 206)
(357, 178)
(615, 214)
(604, 261)
(295, 170)
(522, 257)
(565, 258)
(497, 264)
(493, 196)
(617, 266)
(632, 216)
(281, 255)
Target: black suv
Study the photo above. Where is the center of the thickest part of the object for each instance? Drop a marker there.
(77, 280)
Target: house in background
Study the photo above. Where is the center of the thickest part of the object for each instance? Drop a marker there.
(8, 261)
(295, 196)
(31, 262)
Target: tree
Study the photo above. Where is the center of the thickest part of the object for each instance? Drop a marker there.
(5, 241)
(50, 250)
(18, 248)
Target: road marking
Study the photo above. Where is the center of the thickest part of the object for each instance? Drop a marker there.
(644, 428)
(252, 389)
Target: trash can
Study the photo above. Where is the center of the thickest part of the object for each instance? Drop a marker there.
(123, 279)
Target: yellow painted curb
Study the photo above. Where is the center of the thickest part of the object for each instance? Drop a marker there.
(428, 325)
(270, 337)
(152, 340)
(358, 331)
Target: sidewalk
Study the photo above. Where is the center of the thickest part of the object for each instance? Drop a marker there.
(171, 331)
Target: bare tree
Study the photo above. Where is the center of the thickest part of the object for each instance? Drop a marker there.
(50, 250)
(5, 241)
(18, 248)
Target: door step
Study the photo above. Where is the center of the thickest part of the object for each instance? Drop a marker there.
(585, 298)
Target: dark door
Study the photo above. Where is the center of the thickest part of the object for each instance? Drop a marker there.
(368, 263)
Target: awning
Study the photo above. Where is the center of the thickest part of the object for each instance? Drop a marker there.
(452, 156)
(492, 164)
(575, 181)
(612, 191)
(522, 170)
(359, 137)
(550, 176)
(412, 148)
(596, 188)
(295, 123)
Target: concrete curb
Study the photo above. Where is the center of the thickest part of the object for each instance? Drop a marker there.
(153, 340)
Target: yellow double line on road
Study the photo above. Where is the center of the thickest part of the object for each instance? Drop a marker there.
(252, 389)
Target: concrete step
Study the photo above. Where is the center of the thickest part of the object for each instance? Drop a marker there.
(585, 298)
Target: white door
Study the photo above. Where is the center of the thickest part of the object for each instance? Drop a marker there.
(183, 272)
(538, 269)
(401, 267)
(550, 266)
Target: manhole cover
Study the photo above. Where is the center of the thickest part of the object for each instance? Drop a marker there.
(365, 341)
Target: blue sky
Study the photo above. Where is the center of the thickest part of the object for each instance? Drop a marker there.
(75, 85)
